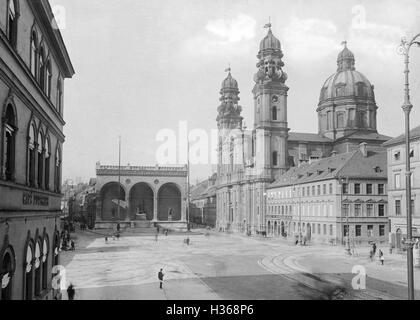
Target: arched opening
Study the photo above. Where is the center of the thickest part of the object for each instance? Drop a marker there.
(42, 68)
(169, 203)
(110, 194)
(10, 142)
(48, 76)
(269, 227)
(7, 269)
(275, 229)
(275, 158)
(308, 231)
(57, 171)
(29, 272)
(141, 200)
(282, 231)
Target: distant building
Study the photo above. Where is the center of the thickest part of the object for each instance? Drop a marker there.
(397, 186)
(250, 160)
(203, 203)
(324, 199)
(155, 194)
(33, 65)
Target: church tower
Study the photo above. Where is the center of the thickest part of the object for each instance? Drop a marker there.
(270, 108)
(229, 119)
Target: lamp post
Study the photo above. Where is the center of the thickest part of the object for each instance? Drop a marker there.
(404, 49)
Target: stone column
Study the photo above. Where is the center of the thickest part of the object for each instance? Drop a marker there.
(155, 208)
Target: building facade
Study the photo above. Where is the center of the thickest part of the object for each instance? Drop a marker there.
(397, 186)
(33, 65)
(155, 194)
(203, 203)
(321, 201)
(250, 160)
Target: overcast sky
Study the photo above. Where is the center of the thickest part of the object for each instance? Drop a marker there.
(143, 66)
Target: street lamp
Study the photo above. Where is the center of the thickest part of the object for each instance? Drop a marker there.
(342, 182)
(404, 49)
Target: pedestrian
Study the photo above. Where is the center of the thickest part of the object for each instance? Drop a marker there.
(156, 237)
(188, 241)
(106, 239)
(160, 277)
(72, 245)
(374, 248)
(166, 232)
(157, 229)
(381, 257)
(71, 292)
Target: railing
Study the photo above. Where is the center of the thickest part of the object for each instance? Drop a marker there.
(141, 168)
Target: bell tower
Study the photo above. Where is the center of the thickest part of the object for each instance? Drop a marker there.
(270, 108)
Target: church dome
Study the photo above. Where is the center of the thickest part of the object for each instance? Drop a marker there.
(347, 82)
(270, 42)
(229, 82)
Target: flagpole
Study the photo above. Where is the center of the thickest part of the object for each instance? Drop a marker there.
(119, 176)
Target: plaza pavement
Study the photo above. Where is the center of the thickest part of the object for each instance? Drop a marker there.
(220, 266)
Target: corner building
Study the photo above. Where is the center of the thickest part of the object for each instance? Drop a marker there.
(33, 65)
(249, 160)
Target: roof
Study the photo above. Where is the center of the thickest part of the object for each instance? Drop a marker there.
(346, 165)
(366, 135)
(307, 137)
(414, 134)
(204, 189)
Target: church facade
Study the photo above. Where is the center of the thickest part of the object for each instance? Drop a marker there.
(250, 160)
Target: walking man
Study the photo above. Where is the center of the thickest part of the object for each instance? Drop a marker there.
(160, 277)
(71, 292)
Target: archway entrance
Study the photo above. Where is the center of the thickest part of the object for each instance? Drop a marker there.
(169, 203)
(282, 231)
(110, 194)
(141, 201)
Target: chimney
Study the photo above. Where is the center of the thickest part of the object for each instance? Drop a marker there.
(363, 149)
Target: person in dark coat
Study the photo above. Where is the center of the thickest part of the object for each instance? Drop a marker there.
(160, 277)
(71, 292)
(72, 245)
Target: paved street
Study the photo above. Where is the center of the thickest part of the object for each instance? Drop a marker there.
(222, 266)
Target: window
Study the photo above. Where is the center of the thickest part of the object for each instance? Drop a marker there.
(381, 189)
(313, 190)
(40, 155)
(12, 22)
(9, 142)
(381, 210)
(345, 188)
(319, 228)
(331, 188)
(345, 230)
(274, 113)
(331, 230)
(31, 156)
(57, 183)
(303, 191)
(275, 160)
(6, 274)
(369, 189)
(340, 120)
(357, 210)
(357, 188)
(308, 191)
(358, 230)
(45, 263)
(319, 189)
(48, 79)
(397, 155)
(324, 189)
(397, 207)
(34, 53)
(42, 68)
(346, 209)
(370, 231)
(397, 179)
(381, 230)
(369, 210)
(37, 267)
(28, 272)
(325, 229)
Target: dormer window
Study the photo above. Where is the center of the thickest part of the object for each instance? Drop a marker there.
(340, 90)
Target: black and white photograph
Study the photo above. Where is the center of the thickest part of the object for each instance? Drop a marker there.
(209, 154)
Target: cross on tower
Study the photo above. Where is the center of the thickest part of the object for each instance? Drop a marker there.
(344, 43)
(268, 25)
(228, 69)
